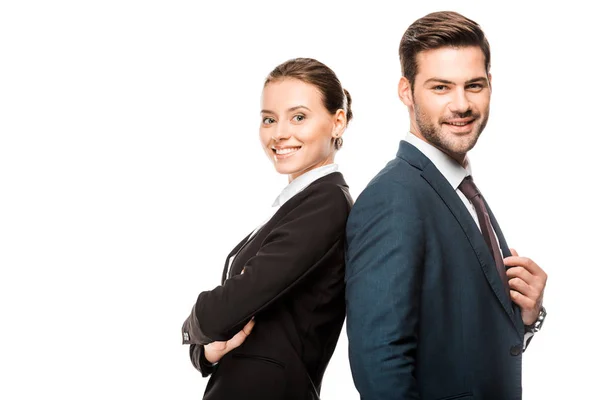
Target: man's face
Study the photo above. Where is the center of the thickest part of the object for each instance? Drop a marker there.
(451, 98)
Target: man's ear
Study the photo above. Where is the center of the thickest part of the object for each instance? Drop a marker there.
(405, 92)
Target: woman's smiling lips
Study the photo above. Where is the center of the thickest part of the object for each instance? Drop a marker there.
(283, 152)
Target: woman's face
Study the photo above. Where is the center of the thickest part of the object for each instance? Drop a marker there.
(296, 130)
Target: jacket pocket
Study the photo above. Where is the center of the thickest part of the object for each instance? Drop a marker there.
(466, 395)
(249, 377)
(259, 359)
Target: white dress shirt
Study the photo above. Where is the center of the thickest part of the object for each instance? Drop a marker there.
(301, 182)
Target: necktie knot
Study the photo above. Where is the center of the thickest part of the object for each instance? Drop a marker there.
(467, 186)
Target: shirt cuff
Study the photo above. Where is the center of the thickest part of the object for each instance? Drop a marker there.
(526, 339)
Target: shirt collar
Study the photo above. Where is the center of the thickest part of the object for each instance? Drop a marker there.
(452, 171)
(301, 182)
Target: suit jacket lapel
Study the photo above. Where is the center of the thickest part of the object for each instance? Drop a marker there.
(506, 253)
(235, 251)
(446, 192)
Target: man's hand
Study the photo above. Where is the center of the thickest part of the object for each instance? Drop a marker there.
(216, 350)
(527, 282)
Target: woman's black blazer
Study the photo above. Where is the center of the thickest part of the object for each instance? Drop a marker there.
(293, 285)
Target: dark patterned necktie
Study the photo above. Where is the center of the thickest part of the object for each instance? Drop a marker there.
(467, 186)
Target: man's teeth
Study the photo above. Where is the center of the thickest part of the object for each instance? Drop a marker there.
(286, 150)
(459, 123)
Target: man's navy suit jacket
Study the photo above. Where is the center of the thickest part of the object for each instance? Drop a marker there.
(427, 314)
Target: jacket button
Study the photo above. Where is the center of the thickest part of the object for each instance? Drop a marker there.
(516, 350)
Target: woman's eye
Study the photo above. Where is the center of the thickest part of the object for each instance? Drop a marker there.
(268, 120)
(298, 118)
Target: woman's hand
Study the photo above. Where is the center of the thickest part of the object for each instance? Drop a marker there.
(214, 351)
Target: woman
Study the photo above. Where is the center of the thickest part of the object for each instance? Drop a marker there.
(270, 329)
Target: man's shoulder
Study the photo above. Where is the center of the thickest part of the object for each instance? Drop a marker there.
(398, 185)
(398, 174)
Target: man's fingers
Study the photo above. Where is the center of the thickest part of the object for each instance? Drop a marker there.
(514, 252)
(521, 300)
(520, 272)
(514, 261)
(526, 263)
(528, 271)
(521, 286)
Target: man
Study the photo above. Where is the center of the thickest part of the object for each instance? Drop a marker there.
(438, 308)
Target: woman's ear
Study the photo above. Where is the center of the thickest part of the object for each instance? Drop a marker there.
(339, 123)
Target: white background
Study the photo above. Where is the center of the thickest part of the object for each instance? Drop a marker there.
(130, 165)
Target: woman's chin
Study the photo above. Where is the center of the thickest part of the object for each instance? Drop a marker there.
(284, 169)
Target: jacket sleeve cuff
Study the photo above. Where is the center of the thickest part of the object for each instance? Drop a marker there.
(191, 332)
(199, 360)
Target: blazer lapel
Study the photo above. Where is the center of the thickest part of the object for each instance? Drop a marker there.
(235, 252)
(506, 253)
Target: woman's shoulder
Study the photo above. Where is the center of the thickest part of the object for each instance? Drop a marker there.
(331, 187)
(324, 204)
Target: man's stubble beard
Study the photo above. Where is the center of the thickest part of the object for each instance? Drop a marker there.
(432, 133)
